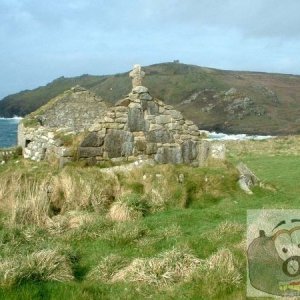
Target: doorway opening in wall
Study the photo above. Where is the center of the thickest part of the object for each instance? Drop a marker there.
(27, 142)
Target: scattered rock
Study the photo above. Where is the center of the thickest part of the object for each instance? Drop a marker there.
(118, 143)
(189, 151)
(203, 153)
(159, 136)
(146, 96)
(171, 155)
(77, 88)
(247, 178)
(181, 178)
(85, 152)
(93, 140)
(136, 120)
(218, 151)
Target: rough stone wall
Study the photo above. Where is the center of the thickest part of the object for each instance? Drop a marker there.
(70, 113)
(140, 126)
(137, 127)
(75, 110)
(41, 143)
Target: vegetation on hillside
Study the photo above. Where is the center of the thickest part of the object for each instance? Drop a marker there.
(27, 101)
(263, 103)
(88, 233)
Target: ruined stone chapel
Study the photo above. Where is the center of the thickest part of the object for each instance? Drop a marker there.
(136, 127)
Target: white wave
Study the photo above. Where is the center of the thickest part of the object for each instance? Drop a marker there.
(213, 136)
(14, 118)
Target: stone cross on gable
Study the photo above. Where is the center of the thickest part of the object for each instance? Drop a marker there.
(137, 75)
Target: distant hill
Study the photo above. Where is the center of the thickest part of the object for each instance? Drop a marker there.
(228, 101)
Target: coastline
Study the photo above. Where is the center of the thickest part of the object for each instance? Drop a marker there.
(8, 132)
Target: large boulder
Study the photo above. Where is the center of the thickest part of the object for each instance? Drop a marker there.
(85, 152)
(118, 143)
(247, 178)
(160, 136)
(94, 139)
(169, 155)
(136, 120)
(189, 151)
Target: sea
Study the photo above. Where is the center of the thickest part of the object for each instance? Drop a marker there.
(8, 131)
(217, 136)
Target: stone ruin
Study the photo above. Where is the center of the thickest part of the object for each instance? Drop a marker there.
(137, 127)
(137, 76)
(40, 133)
(140, 126)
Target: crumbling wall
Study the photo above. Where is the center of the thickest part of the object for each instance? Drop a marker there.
(74, 110)
(41, 143)
(142, 127)
(137, 127)
(40, 134)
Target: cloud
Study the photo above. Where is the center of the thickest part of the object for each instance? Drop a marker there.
(256, 18)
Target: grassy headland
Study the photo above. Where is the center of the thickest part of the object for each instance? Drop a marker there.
(258, 103)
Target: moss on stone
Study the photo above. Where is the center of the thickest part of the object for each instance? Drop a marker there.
(30, 122)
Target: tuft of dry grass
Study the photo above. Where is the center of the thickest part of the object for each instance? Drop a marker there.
(79, 189)
(9, 184)
(224, 229)
(125, 233)
(120, 212)
(160, 186)
(95, 228)
(107, 268)
(217, 276)
(241, 246)
(43, 196)
(70, 220)
(219, 272)
(45, 265)
(31, 205)
(167, 268)
(130, 206)
(4, 184)
(173, 231)
(38, 197)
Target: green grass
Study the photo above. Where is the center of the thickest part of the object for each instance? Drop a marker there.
(205, 224)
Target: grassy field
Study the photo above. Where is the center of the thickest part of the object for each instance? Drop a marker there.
(82, 233)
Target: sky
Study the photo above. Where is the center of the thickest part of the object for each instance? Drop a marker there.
(43, 40)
